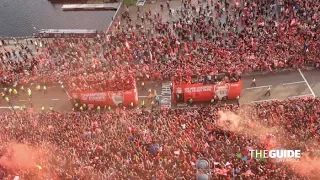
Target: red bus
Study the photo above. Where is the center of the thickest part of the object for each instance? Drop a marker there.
(106, 98)
(200, 92)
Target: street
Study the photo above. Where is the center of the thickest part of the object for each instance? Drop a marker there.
(283, 85)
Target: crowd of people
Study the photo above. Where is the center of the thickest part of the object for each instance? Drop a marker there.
(219, 37)
(102, 82)
(143, 144)
(239, 37)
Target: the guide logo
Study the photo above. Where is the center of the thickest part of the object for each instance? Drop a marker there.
(280, 155)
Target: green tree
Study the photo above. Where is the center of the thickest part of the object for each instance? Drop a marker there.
(129, 2)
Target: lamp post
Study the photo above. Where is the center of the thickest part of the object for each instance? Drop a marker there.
(140, 3)
(203, 169)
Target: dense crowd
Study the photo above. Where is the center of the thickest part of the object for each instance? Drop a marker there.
(141, 144)
(211, 38)
(226, 37)
(102, 82)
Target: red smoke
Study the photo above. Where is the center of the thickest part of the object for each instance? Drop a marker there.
(306, 166)
(242, 124)
(20, 157)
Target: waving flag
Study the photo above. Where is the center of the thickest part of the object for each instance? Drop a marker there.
(177, 152)
(186, 47)
(237, 4)
(108, 38)
(127, 45)
(248, 173)
(293, 22)
(287, 10)
(222, 172)
(261, 23)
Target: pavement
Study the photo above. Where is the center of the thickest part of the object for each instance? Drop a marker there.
(155, 8)
(177, 5)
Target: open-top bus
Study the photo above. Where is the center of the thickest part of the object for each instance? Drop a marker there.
(183, 91)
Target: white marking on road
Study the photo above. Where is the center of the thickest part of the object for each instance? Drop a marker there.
(22, 100)
(259, 87)
(307, 83)
(113, 18)
(263, 100)
(293, 97)
(68, 95)
(55, 99)
(9, 107)
(147, 96)
(298, 82)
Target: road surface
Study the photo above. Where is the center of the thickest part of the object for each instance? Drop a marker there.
(283, 85)
(59, 100)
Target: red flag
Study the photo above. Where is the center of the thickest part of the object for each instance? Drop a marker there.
(287, 10)
(293, 22)
(248, 173)
(179, 25)
(116, 25)
(261, 23)
(34, 123)
(252, 57)
(186, 47)
(108, 38)
(177, 152)
(237, 4)
(221, 171)
(95, 60)
(127, 45)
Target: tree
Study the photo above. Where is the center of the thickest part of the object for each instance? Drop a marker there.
(129, 2)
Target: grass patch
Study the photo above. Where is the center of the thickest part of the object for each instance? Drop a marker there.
(129, 2)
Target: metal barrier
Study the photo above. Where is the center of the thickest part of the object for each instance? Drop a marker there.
(16, 38)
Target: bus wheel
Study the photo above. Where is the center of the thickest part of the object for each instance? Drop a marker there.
(224, 98)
